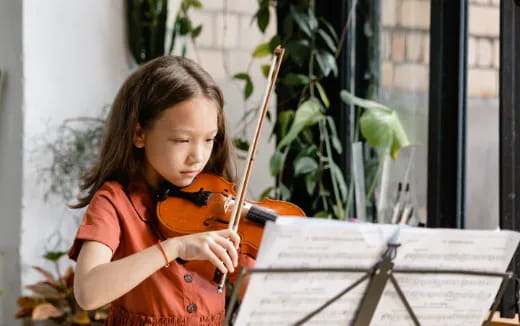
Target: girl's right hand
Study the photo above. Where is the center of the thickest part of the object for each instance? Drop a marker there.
(219, 247)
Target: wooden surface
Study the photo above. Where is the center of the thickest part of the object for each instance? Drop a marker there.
(498, 321)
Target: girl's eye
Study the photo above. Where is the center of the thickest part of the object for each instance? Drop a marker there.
(210, 140)
(180, 140)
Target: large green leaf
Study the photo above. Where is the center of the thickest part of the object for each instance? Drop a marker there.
(308, 114)
(379, 124)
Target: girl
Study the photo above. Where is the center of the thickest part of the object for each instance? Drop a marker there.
(166, 124)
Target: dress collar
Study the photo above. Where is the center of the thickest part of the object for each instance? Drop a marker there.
(142, 197)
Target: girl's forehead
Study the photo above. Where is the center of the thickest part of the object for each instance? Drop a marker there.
(199, 114)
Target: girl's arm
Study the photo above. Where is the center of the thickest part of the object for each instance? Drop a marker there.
(98, 281)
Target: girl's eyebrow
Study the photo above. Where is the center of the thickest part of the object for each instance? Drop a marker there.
(192, 130)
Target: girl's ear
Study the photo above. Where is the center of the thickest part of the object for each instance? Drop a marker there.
(139, 136)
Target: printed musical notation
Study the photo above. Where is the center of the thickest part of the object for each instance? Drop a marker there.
(437, 299)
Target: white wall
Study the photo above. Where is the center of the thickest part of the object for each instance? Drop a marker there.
(75, 60)
(11, 131)
(66, 60)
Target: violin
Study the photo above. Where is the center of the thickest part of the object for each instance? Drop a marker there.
(205, 205)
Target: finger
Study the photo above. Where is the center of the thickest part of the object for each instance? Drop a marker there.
(222, 254)
(231, 235)
(230, 249)
(216, 261)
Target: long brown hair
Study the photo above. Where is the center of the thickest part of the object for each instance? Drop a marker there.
(153, 88)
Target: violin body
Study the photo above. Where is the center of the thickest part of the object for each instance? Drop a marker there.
(180, 216)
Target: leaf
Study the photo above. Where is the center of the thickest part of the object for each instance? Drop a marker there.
(285, 193)
(308, 114)
(45, 311)
(196, 31)
(296, 79)
(327, 39)
(54, 255)
(184, 25)
(265, 193)
(195, 4)
(336, 143)
(241, 76)
(323, 214)
(348, 98)
(284, 119)
(331, 29)
(274, 42)
(310, 183)
(304, 165)
(313, 23)
(265, 70)
(323, 95)
(44, 289)
(326, 62)
(379, 124)
(29, 302)
(23, 313)
(298, 50)
(241, 144)
(248, 90)
(81, 318)
(262, 18)
(375, 125)
(276, 162)
(301, 20)
(340, 179)
(262, 50)
(48, 276)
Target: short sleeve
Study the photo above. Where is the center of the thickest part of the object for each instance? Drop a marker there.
(100, 223)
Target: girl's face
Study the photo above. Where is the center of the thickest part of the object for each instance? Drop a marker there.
(179, 143)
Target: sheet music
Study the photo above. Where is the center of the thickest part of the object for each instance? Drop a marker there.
(283, 299)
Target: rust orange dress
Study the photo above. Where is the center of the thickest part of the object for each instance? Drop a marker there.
(181, 294)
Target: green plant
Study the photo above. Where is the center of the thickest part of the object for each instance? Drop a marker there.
(307, 140)
(54, 300)
(147, 27)
(72, 151)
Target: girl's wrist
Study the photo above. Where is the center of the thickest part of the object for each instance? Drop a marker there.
(172, 248)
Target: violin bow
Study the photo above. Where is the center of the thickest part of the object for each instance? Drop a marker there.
(241, 193)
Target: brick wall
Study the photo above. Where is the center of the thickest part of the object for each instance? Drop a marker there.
(405, 46)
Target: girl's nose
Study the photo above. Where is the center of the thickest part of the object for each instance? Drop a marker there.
(196, 153)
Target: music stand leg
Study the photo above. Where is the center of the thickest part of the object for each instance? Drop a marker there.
(501, 291)
(403, 299)
(329, 302)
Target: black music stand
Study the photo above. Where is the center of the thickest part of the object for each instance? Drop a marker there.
(377, 276)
